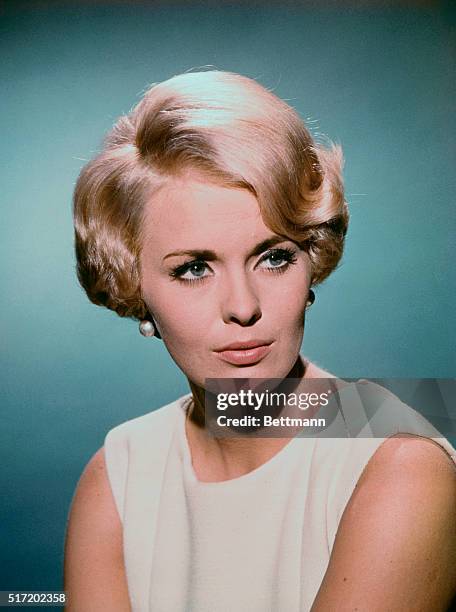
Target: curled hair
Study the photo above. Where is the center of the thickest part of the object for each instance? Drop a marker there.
(235, 133)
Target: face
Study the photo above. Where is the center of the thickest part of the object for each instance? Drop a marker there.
(213, 275)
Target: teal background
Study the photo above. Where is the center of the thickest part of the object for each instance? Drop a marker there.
(379, 81)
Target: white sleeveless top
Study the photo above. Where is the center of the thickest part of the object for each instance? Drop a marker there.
(257, 543)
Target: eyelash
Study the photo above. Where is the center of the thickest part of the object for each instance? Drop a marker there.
(289, 255)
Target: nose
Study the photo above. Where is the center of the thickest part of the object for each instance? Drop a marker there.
(239, 301)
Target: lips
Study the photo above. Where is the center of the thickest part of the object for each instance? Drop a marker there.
(246, 344)
(245, 353)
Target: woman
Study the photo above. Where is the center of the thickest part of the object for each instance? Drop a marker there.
(207, 217)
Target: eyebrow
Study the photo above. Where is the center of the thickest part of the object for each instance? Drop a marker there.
(208, 255)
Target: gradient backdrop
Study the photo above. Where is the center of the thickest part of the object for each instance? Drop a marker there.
(378, 80)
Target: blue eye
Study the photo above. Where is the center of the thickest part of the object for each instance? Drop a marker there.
(197, 271)
(191, 272)
(280, 259)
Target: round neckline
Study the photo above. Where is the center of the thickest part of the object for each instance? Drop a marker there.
(257, 472)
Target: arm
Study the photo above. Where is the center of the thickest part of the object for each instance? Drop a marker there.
(395, 548)
(94, 573)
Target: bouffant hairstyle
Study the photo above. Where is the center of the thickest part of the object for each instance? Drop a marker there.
(232, 131)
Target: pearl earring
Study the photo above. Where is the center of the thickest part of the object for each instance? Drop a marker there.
(310, 298)
(146, 328)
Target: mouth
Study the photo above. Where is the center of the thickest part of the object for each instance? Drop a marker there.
(245, 354)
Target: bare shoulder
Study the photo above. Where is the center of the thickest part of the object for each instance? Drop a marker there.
(94, 572)
(418, 454)
(395, 547)
(406, 470)
(93, 493)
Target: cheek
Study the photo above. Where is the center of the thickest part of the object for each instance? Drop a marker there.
(181, 320)
(291, 306)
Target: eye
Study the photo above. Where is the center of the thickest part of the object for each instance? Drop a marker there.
(197, 271)
(191, 272)
(279, 259)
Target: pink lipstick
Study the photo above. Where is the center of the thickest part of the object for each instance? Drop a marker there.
(245, 353)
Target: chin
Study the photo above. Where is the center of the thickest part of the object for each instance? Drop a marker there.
(260, 370)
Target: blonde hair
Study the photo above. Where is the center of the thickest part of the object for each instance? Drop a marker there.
(236, 133)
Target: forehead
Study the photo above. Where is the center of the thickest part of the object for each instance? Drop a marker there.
(194, 212)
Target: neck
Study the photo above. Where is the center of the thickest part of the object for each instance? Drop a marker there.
(219, 459)
(196, 411)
